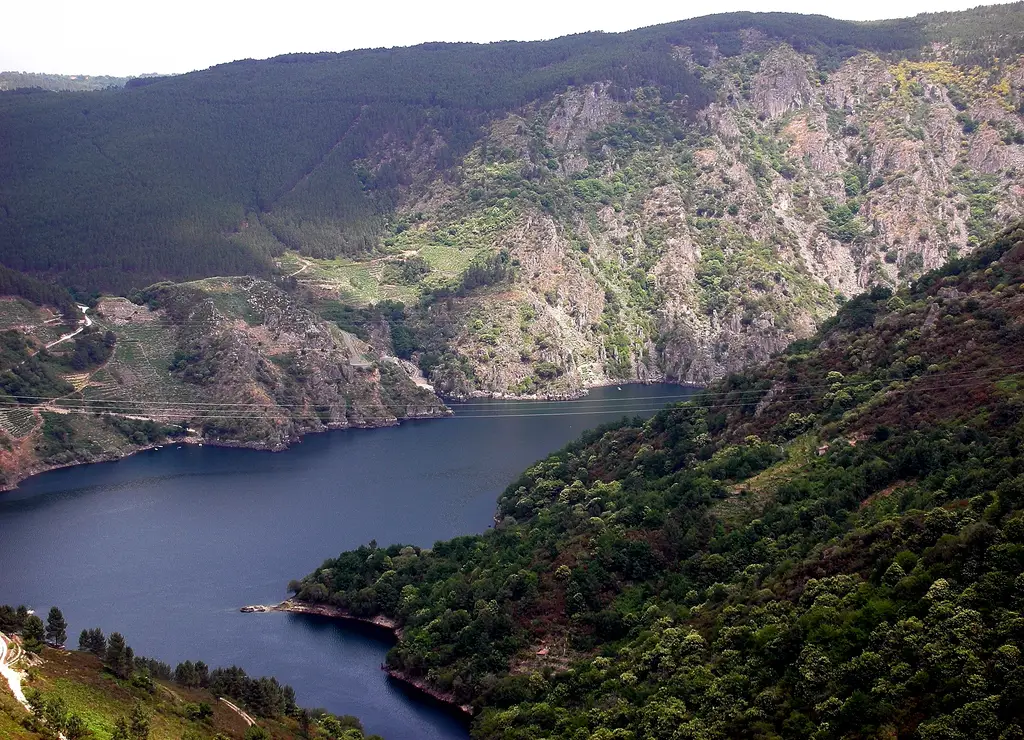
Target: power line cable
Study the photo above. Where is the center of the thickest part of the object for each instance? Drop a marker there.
(241, 415)
(846, 383)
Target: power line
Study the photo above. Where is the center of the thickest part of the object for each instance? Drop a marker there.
(846, 383)
(242, 415)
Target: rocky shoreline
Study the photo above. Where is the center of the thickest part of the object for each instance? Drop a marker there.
(17, 476)
(42, 467)
(387, 624)
(565, 396)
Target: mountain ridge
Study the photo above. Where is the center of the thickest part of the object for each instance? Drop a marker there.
(531, 220)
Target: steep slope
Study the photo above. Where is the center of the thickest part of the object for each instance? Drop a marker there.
(82, 695)
(647, 245)
(673, 203)
(828, 545)
(230, 361)
(116, 188)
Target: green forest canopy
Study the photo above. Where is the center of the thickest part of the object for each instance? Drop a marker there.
(118, 188)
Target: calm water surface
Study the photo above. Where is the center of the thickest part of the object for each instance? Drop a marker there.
(165, 546)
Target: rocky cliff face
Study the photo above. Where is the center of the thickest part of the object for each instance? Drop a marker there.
(651, 241)
(228, 361)
(269, 369)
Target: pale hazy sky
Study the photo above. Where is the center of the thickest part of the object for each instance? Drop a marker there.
(126, 37)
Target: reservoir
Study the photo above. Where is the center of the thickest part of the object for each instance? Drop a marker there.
(167, 545)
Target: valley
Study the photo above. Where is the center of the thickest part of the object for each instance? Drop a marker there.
(676, 220)
(725, 314)
(167, 545)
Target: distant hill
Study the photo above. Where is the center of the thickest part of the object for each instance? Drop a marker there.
(17, 80)
(672, 202)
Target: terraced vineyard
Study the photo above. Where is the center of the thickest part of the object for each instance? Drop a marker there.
(15, 312)
(78, 380)
(17, 422)
(136, 379)
(43, 324)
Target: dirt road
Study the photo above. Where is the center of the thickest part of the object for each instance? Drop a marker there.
(86, 322)
(248, 720)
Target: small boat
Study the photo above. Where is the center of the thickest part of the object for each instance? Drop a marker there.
(619, 388)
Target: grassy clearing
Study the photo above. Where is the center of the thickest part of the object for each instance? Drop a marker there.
(754, 494)
(448, 261)
(448, 247)
(364, 282)
(100, 699)
(358, 283)
(229, 298)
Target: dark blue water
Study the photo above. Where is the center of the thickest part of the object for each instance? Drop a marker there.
(165, 546)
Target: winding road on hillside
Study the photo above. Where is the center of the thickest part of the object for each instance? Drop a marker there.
(8, 657)
(86, 322)
(306, 264)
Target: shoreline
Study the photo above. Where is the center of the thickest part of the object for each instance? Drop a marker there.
(566, 396)
(386, 624)
(130, 450)
(114, 456)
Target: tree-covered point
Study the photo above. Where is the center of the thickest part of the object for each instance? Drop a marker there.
(216, 172)
(830, 545)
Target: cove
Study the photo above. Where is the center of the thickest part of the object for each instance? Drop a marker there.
(165, 546)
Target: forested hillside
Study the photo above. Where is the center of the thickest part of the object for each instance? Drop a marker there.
(828, 545)
(154, 180)
(21, 80)
(673, 202)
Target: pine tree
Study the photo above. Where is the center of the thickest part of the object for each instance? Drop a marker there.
(184, 674)
(93, 641)
(56, 627)
(202, 674)
(33, 634)
(11, 619)
(118, 657)
(97, 643)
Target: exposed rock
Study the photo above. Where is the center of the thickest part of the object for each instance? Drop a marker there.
(655, 242)
(782, 85)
